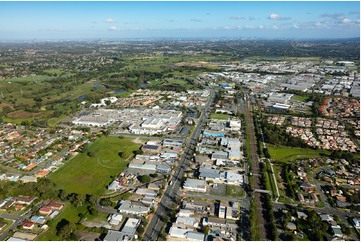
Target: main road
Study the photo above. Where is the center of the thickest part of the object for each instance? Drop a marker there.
(169, 199)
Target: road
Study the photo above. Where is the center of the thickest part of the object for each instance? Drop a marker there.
(255, 169)
(111, 210)
(172, 192)
(17, 220)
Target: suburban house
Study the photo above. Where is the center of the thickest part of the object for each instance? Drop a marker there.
(291, 226)
(24, 199)
(146, 192)
(115, 219)
(127, 233)
(46, 210)
(128, 208)
(307, 187)
(56, 205)
(28, 225)
(38, 219)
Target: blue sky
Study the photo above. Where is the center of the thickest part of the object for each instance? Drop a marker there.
(273, 20)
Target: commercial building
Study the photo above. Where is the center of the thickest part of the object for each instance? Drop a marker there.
(195, 185)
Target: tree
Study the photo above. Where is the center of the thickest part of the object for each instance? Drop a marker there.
(64, 229)
(92, 211)
(37, 99)
(145, 179)
(62, 194)
(345, 229)
(105, 202)
(79, 200)
(91, 154)
(125, 154)
(91, 199)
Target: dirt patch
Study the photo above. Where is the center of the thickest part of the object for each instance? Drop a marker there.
(23, 114)
(87, 236)
(138, 141)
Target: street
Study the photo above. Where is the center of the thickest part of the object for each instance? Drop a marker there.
(169, 199)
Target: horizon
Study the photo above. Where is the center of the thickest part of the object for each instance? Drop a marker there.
(179, 20)
(204, 39)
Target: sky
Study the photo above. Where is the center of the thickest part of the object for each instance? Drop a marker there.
(240, 19)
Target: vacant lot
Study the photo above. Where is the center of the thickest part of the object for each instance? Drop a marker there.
(91, 175)
(303, 98)
(235, 191)
(219, 116)
(290, 154)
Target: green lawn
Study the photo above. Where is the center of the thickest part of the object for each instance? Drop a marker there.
(234, 191)
(290, 154)
(219, 116)
(302, 98)
(91, 175)
(70, 213)
(56, 72)
(35, 78)
(8, 224)
(177, 81)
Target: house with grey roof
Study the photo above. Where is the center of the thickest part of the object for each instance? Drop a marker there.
(208, 174)
(196, 236)
(127, 207)
(195, 185)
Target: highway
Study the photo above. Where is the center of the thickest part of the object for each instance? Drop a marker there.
(169, 199)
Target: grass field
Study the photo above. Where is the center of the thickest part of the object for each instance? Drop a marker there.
(302, 98)
(286, 154)
(219, 116)
(35, 78)
(91, 175)
(177, 81)
(56, 72)
(69, 213)
(235, 191)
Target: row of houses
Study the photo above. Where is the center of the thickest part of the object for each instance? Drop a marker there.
(126, 233)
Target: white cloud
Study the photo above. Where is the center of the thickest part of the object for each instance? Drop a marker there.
(346, 20)
(296, 26)
(109, 20)
(274, 16)
(112, 28)
(236, 17)
(261, 27)
(275, 27)
(195, 20)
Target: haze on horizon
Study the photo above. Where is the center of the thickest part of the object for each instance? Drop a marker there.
(105, 20)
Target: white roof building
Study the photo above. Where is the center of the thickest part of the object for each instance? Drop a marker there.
(195, 185)
(128, 208)
(115, 219)
(186, 222)
(185, 213)
(232, 178)
(177, 232)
